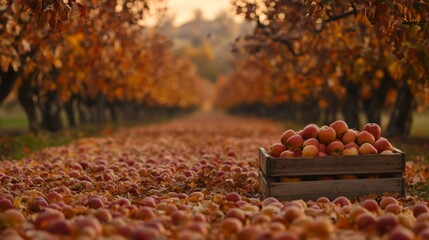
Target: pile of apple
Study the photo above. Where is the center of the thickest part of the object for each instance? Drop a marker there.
(333, 140)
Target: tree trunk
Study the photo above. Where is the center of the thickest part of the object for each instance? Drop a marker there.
(401, 118)
(99, 110)
(374, 105)
(7, 82)
(51, 119)
(69, 108)
(25, 97)
(350, 105)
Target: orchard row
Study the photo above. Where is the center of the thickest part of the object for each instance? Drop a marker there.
(171, 181)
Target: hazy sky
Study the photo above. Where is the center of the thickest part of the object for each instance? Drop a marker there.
(184, 9)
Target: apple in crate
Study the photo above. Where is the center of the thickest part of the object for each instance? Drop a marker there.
(311, 141)
(365, 137)
(286, 135)
(340, 127)
(335, 148)
(287, 154)
(382, 144)
(350, 151)
(295, 142)
(327, 135)
(367, 148)
(349, 136)
(310, 151)
(374, 129)
(276, 149)
(310, 131)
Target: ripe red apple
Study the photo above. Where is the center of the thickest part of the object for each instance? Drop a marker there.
(327, 135)
(295, 142)
(350, 151)
(374, 129)
(365, 137)
(367, 148)
(310, 151)
(387, 152)
(276, 149)
(311, 141)
(340, 127)
(335, 148)
(309, 131)
(349, 136)
(297, 152)
(382, 144)
(322, 147)
(286, 135)
(322, 154)
(287, 154)
(351, 145)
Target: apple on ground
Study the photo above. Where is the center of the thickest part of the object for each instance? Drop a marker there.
(349, 136)
(374, 129)
(310, 151)
(340, 127)
(276, 149)
(295, 142)
(383, 144)
(335, 148)
(367, 148)
(327, 135)
(310, 131)
(365, 137)
(286, 135)
(350, 151)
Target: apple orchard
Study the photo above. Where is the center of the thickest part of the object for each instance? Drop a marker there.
(307, 63)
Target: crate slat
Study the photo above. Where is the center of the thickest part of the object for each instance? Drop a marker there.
(331, 165)
(351, 188)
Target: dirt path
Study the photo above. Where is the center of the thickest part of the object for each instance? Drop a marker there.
(192, 178)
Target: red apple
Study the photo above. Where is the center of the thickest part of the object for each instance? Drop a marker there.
(349, 136)
(297, 152)
(322, 147)
(340, 127)
(322, 154)
(295, 142)
(367, 148)
(311, 141)
(310, 131)
(365, 137)
(374, 129)
(310, 151)
(335, 148)
(382, 144)
(286, 135)
(327, 135)
(350, 151)
(387, 152)
(276, 149)
(287, 154)
(351, 145)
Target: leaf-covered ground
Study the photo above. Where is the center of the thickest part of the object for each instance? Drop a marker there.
(193, 178)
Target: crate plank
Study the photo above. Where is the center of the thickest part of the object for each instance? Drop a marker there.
(331, 165)
(351, 188)
(265, 188)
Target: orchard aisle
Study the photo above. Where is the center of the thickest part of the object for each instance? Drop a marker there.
(191, 178)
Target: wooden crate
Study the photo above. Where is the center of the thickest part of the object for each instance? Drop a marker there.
(389, 168)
